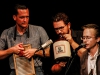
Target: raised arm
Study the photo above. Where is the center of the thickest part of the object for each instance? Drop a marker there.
(73, 43)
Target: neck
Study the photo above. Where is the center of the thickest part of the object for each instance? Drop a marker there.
(21, 30)
(94, 49)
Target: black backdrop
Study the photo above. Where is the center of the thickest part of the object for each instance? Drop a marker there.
(41, 12)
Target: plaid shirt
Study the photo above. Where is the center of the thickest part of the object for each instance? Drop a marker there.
(34, 35)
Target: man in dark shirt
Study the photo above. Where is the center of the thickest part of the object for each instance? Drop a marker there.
(62, 26)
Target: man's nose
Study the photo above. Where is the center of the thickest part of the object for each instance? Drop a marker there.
(25, 19)
(85, 40)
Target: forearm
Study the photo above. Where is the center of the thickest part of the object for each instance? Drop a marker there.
(75, 45)
(46, 52)
(5, 53)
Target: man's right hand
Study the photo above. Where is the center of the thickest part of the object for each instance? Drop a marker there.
(17, 48)
(62, 64)
(56, 68)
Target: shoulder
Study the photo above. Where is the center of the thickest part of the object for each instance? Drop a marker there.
(84, 56)
(35, 26)
(8, 30)
(77, 31)
(77, 34)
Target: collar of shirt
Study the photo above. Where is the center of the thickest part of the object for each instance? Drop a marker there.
(92, 62)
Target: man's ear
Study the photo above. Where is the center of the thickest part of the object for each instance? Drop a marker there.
(14, 17)
(69, 25)
(98, 39)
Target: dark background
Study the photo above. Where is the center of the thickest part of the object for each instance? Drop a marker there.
(41, 12)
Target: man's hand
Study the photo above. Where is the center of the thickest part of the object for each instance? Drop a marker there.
(68, 37)
(58, 67)
(62, 64)
(17, 48)
(29, 53)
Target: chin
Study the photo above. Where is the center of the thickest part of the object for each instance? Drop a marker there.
(87, 47)
(24, 26)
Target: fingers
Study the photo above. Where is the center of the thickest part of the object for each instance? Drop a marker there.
(18, 48)
(68, 36)
(69, 31)
(63, 64)
(27, 54)
(18, 52)
(20, 45)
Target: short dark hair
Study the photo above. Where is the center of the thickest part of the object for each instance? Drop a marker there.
(94, 26)
(61, 16)
(19, 6)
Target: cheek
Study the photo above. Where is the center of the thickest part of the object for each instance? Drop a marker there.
(19, 20)
(66, 30)
(57, 32)
(87, 42)
(91, 43)
(27, 19)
